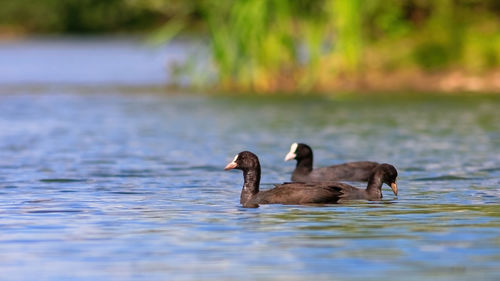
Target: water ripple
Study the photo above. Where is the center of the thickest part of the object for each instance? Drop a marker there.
(114, 186)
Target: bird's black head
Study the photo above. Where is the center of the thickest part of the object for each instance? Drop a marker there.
(244, 160)
(389, 175)
(299, 151)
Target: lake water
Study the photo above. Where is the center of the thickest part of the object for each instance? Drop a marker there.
(106, 184)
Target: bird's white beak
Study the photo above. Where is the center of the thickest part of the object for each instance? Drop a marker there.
(394, 187)
(290, 156)
(230, 166)
(292, 153)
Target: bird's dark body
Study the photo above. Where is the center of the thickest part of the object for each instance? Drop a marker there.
(304, 172)
(351, 171)
(298, 193)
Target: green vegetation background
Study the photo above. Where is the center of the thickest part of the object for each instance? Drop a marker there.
(290, 45)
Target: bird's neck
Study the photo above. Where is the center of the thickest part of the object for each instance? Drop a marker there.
(250, 185)
(375, 184)
(305, 164)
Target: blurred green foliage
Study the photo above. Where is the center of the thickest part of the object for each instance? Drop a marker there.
(292, 45)
(75, 16)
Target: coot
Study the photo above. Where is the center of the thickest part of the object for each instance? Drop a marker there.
(296, 193)
(351, 171)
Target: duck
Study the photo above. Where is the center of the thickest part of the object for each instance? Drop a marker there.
(306, 193)
(304, 172)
